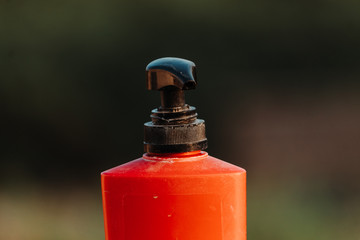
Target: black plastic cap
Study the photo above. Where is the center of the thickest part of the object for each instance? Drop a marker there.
(174, 127)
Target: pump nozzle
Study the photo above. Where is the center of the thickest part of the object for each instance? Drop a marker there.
(171, 76)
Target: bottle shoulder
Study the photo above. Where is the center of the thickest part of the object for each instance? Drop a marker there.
(143, 167)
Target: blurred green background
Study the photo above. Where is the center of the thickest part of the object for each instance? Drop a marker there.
(278, 87)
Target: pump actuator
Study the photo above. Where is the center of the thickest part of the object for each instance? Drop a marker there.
(174, 127)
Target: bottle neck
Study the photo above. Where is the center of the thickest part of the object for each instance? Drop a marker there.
(194, 155)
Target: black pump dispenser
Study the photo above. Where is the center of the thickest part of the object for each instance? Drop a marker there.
(174, 127)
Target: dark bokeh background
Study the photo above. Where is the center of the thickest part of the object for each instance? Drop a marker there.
(278, 87)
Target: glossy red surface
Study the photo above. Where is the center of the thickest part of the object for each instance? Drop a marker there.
(179, 196)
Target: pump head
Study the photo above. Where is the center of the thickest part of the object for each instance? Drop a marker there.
(171, 76)
(174, 126)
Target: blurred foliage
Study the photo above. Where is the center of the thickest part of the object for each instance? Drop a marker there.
(278, 87)
(50, 214)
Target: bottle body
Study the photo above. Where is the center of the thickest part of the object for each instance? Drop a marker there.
(175, 196)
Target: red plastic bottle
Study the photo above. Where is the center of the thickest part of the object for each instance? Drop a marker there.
(175, 191)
